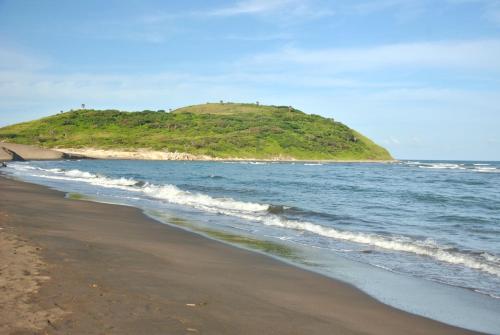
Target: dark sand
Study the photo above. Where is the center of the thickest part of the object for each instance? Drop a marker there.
(112, 270)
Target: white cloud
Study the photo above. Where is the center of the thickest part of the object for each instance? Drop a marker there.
(158, 26)
(252, 7)
(286, 72)
(406, 113)
(256, 38)
(368, 7)
(284, 8)
(476, 54)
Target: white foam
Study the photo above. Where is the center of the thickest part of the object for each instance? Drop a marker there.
(175, 195)
(76, 175)
(486, 169)
(79, 174)
(396, 243)
(170, 193)
(490, 257)
(22, 167)
(245, 162)
(478, 167)
(442, 166)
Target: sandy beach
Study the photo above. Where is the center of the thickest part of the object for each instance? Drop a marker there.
(147, 154)
(78, 267)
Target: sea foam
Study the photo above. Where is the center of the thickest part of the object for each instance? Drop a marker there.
(476, 167)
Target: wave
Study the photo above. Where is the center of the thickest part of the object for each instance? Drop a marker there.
(490, 257)
(175, 195)
(486, 169)
(446, 166)
(397, 243)
(77, 175)
(170, 193)
(270, 215)
(476, 167)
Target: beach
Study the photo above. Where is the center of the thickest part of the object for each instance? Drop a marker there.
(101, 268)
(148, 154)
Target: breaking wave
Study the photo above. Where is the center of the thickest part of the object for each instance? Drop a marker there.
(170, 193)
(483, 262)
(476, 167)
(175, 195)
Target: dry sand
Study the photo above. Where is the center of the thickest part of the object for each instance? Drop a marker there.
(14, 151)
(106, 269)
(147, 154)
(5, 154)
(21, 275)
(143, 154)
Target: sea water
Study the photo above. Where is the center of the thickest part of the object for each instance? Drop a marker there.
(423, 236)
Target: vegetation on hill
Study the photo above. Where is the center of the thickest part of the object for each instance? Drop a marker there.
(217, 129)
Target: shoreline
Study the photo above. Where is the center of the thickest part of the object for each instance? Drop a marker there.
(87, 243)
(146, 154)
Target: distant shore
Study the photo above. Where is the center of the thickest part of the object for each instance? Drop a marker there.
(94, 268)
(146, 154)
(213, 129)
(13, 151)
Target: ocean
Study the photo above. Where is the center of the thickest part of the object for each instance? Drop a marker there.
(423, 236)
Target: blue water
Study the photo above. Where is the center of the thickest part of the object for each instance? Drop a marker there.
(430, 225)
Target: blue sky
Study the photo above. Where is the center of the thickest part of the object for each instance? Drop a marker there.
(420, 77)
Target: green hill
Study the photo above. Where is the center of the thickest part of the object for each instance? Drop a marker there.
(219, 130)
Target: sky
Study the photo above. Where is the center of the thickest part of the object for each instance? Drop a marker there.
(419, 77)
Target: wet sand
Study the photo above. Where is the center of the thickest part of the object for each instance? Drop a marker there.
(91, 268)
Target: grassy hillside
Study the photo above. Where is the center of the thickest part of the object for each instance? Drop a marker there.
(219, 130)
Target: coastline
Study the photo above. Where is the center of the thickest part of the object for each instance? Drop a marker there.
(114, 269)
(147, 154)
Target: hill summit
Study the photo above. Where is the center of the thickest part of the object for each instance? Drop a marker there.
(223, 130)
